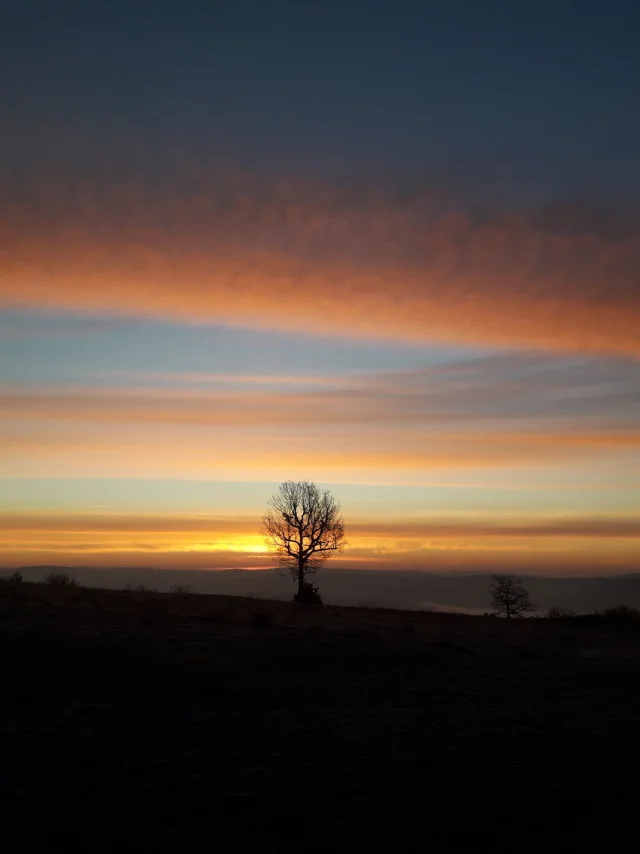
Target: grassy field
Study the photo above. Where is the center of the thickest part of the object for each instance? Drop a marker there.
(198, 721)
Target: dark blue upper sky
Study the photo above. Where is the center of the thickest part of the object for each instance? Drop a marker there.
(541, 97)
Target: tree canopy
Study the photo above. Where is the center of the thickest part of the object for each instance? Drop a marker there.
(509, 596)
(303, 527)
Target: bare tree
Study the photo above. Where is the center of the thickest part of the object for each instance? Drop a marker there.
(303, 527)
(509, 597)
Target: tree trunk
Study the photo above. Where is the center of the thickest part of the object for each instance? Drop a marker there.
(300, 576)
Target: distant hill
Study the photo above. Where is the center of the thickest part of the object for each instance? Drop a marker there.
(410, 589)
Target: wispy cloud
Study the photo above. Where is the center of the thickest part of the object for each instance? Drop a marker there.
(487, 412)
(577, 394)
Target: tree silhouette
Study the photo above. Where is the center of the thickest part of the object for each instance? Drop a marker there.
(509, 597)
(303, 527)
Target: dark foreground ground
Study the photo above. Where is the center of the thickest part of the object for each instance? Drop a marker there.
(200, 722)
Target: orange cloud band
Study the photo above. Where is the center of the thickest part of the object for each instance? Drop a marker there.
(246, 528)
(321, 262)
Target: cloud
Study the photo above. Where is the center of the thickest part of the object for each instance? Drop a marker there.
(105, 453)
(578, 396)
(518, 411)
(245, 527)
(128, 523)
(293, 256)
(101, 447)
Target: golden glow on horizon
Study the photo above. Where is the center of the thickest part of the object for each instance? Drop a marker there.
(248, 546)
(111, 539)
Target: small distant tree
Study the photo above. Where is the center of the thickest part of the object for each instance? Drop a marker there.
(509, 597)
(16, 578)
(303, 528)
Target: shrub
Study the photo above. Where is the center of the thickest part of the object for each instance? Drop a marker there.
(61, 581)
(557, 613)
(309, 595)
(622, 614)
(180, 589)
(15, 578)
(140, 588)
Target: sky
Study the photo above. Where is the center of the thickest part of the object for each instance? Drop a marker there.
(393, 248)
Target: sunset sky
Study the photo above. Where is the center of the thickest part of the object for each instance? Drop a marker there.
(393, 248)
